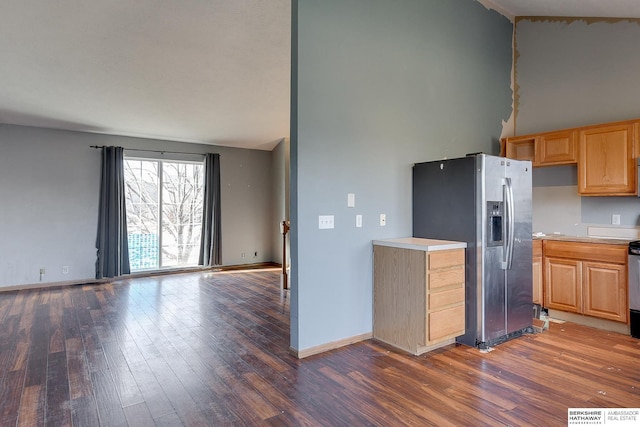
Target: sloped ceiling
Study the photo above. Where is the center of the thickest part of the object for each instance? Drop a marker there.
(575, 8)
(208, 71)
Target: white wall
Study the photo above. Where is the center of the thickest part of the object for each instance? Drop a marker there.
(48, 191)
(49, 184)
(575, 72)
(377, 86)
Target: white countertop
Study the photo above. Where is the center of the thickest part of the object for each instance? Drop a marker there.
(427, 245)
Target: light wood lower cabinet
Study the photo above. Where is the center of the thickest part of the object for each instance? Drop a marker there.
(564, 284)
(418, 297)
(605, 290)
(536, 268)
(586, 278)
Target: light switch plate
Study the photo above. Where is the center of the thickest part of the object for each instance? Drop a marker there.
(325, 222)
(351, 200)
(383, 220)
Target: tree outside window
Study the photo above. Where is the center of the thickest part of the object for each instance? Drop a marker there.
(164, 202)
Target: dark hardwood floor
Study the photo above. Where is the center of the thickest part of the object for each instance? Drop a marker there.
(204, 349)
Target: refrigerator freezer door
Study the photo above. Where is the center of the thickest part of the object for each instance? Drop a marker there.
(465, 199)
(519, 290)
(491, 275)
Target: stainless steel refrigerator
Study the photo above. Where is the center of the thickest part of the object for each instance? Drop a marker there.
(484, 201)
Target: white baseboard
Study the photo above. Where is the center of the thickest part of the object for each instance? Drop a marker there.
(301, 354)
(44, 285)
(594, 322)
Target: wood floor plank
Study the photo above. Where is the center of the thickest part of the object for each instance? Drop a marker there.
(93, 349)
(288, 410)
(6, 300)
(57, 408)
(13, 357)
(139, 415)
(56, 331)
(169, 420)
(78, 370)
(38, 348)
(126, 385)
(152, 392)
(10, 397)
(19, 301)
(353, 396)
(110, 411)
(211, 348)
(32, 406)
(84, 412)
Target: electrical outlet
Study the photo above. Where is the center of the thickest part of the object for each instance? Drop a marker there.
(358, 221)
(42, 270)
(615, 219)
(65, 269)
(242, 255)
(383, 220)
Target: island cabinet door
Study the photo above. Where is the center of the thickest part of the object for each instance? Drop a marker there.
(445, 295)
(563, 281)
(605, 295)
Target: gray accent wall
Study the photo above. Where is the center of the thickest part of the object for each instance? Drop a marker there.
(575, 72)
(376, 87)
(280, 195)
(49, 183)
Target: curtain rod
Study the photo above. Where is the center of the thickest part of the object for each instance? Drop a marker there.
(153, 151)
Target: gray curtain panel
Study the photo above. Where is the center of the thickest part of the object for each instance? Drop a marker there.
(111, 243)
(210, 243)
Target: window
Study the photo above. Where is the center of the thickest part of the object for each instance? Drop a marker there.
(164, 212)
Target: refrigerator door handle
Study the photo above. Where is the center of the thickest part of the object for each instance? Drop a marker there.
(510, 231)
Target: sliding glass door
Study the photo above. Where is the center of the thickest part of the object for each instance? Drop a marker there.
(164, 212)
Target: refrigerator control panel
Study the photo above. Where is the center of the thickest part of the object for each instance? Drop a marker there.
(495, 215)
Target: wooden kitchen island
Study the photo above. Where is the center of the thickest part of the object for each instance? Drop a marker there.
(418, 293)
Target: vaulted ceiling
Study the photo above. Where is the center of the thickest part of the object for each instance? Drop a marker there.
(214, 71)
(210, 71)
(576, 8)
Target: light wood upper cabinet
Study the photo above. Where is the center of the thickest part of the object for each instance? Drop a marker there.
(606, 163)
(546, 149)
(605, 155)
(520, 148)
(558, 148)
